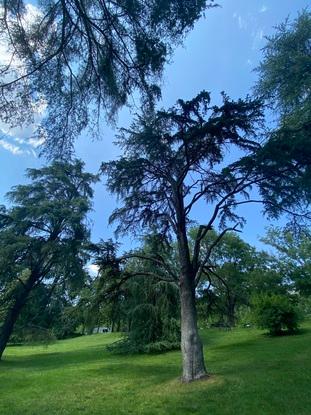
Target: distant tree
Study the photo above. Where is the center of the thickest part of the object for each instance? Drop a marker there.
(238, 270)
(79, 59)
(149, 304)
(143, 303)
(294, 257)
(43, 236)
(284, 82)
(233, 260)
(277, 313)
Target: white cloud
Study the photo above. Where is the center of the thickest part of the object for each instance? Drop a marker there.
(32, 13)
(242, 23)
(35, 142)
(12, 148)
(258, 37)
(18, 145)
(263, 9)
(92, 269)
(20, 141)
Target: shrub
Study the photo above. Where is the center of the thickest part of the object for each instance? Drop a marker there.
(125, 346)
(275, 312)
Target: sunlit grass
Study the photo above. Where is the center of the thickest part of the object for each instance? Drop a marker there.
(250, 374)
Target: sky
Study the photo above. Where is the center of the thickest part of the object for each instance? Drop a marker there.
(219, 54)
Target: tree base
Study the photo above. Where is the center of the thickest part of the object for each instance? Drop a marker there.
(200, 376)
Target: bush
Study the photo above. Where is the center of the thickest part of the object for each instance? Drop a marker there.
(33, 335)
(125, 346)
(275, 312)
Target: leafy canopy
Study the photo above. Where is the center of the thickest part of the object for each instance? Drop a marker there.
(284, 82)
(44, 232)
(173, 158)
(77, 58)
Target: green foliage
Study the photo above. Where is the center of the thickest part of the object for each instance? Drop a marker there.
(284, 82)
(143, 304)
(44, 237)
(293, 256)
(163, 149)
(33, 335)
(284, 72)
(153, 308)
(86, 58)
(276, 313)
(238, 271)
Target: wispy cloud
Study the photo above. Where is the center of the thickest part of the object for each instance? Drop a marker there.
(19, 141)
(258, 36)
(12, 148)
(19, 146)
(242, 23)
(263, 9)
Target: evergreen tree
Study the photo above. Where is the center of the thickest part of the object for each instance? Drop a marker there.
(174, 159)
(284, 83)
(43, 236)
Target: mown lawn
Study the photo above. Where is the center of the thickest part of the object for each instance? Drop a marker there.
(250, 374)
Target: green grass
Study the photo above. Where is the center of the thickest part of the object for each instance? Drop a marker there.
(251, 374)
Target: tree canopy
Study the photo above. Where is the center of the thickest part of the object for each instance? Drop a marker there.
(77, 58)
(284, 82)
(43, 236)
(294, 257)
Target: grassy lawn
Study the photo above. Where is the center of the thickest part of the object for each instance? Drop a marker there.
(251, 374)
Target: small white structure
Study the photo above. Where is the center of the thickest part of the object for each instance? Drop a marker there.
(101, 329)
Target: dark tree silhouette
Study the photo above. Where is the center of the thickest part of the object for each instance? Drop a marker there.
(173, 160)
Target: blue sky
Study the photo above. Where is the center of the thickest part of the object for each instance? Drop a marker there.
(218, 55)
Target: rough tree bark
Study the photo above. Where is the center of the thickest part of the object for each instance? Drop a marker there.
(191, 345)
(14, 311)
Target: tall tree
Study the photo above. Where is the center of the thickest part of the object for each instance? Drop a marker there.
(42, 236)
(80, 57)
(284, 82)
(174, 159)
(170, 163)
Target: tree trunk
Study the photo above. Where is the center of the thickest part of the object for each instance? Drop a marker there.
(14, 310)
(191, 345)
(231, 312)
(10, 320)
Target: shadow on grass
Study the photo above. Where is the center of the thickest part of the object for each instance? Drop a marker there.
(136, 364)
(108, 362)
(54, 359)
(287, 333)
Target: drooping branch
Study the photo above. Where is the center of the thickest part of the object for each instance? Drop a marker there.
(157, 261)
(213, 245)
